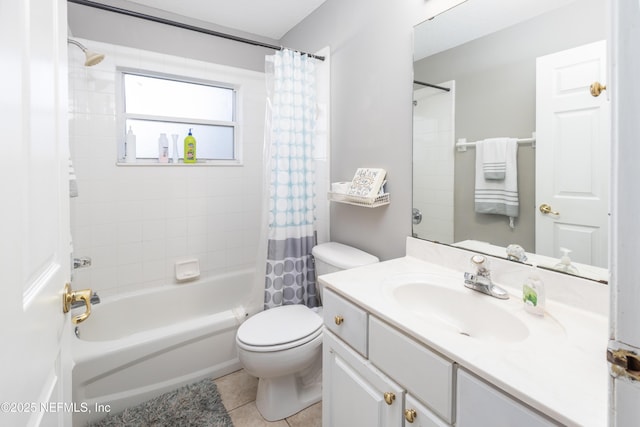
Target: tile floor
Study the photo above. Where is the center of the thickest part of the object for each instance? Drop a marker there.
(238, 392)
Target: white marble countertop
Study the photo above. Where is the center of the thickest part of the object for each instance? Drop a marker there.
(559, 368)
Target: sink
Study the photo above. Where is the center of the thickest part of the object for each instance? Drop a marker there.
(457, 308)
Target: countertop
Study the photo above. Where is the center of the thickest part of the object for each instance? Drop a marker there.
(560, 367)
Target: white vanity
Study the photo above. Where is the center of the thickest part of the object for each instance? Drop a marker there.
(407, 344)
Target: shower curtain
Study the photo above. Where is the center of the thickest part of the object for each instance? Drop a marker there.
(289, 132)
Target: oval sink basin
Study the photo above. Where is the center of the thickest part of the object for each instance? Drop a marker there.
(465, 312)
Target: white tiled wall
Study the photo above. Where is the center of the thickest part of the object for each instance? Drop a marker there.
(433, 162)
(136, 221)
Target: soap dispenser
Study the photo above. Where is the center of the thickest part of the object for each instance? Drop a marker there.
(533, 294)
(565, 263)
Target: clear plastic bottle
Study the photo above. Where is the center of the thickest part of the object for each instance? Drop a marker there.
(163, 148)
(533, 294)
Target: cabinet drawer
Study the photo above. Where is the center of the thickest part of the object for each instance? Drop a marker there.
(419, 416)
(481, 405)
(345, 320)
(426, 375)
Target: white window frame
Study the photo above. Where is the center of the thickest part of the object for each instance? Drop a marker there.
(122, 116)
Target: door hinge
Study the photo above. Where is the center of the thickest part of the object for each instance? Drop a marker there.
(624, 363)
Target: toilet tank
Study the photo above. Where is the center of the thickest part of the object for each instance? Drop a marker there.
(332, 256)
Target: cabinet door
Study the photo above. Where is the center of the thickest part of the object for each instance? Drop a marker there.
(482, 405)
(354, 392)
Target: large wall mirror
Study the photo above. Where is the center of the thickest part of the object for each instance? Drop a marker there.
(488, 69)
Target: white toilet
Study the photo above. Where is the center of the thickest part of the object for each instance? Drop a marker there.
(282, 346)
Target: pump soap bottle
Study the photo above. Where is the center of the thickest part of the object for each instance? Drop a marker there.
(533, 294)
(190, 148)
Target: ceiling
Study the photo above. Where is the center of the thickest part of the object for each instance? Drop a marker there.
(272, 18)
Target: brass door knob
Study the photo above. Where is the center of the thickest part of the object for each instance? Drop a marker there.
(546, 209)
(338, 320)
(69, 297)
(389, 397)
(597, 88)
(410, 415)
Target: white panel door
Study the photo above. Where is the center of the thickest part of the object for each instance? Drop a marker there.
(34, 219)
(625, 228)
(572, 154)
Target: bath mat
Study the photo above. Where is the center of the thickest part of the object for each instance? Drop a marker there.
(194, 405)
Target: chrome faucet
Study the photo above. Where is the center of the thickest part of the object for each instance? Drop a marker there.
(95, 299)
(481, 280)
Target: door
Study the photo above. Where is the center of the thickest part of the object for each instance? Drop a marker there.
(624, 346)
(354, 392)
(572, 155)
(34, 219)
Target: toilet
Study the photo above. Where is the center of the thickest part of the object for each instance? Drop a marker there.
(282, 346)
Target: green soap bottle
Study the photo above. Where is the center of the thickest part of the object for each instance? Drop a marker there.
(190, 149)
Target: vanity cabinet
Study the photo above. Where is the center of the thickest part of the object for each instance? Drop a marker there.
(376, 375)
(359, 392)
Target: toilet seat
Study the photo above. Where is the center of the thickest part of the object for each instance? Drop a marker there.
(279, 328)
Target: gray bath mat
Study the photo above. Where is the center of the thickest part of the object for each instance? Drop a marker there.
(194, 405)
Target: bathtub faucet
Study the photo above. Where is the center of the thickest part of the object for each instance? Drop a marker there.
(95, 299)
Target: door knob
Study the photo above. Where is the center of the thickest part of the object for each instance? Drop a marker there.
(546, 209)
(389, 397)
(69, 297)
(597, 88)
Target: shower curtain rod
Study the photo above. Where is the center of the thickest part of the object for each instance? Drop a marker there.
(430, 85)
(183, 26)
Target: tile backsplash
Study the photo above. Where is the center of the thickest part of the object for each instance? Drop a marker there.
(135, 222)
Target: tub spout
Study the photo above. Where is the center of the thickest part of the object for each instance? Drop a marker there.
(95, 299)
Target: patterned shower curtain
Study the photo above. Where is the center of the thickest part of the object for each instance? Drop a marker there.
(289, 133)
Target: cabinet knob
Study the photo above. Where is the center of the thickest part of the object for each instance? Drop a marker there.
(410, 415)
(389, 397)
(338, 320)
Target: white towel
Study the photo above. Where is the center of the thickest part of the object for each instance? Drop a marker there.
(494, 157)
(499, 197)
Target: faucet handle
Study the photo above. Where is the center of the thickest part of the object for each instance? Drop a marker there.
(481, 263)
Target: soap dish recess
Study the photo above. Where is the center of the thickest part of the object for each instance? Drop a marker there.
(187, 269)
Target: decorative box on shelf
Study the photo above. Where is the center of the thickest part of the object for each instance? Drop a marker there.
(367, 202)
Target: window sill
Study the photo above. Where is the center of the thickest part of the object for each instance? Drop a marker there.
(152, 162)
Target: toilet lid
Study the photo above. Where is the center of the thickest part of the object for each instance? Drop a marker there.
(279, 325)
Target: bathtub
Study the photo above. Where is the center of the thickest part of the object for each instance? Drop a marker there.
(139, 345)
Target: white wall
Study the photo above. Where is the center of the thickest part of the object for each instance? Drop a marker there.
(136, 221)
(371, 44)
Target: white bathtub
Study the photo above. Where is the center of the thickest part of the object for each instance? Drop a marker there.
(137, 346)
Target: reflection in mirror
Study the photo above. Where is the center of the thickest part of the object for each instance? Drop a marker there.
(497, 64)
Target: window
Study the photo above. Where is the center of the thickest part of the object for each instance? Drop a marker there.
(152, 104)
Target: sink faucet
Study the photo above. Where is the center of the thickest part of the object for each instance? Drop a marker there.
(481, 281)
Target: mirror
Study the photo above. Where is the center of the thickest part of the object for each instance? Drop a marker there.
(474, 79)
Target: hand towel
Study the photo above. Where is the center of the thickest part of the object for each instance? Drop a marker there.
(498, 197)
(494, 152)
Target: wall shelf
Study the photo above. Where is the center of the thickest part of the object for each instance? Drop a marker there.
(366, 202)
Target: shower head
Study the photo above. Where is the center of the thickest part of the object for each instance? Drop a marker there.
(92, 58)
